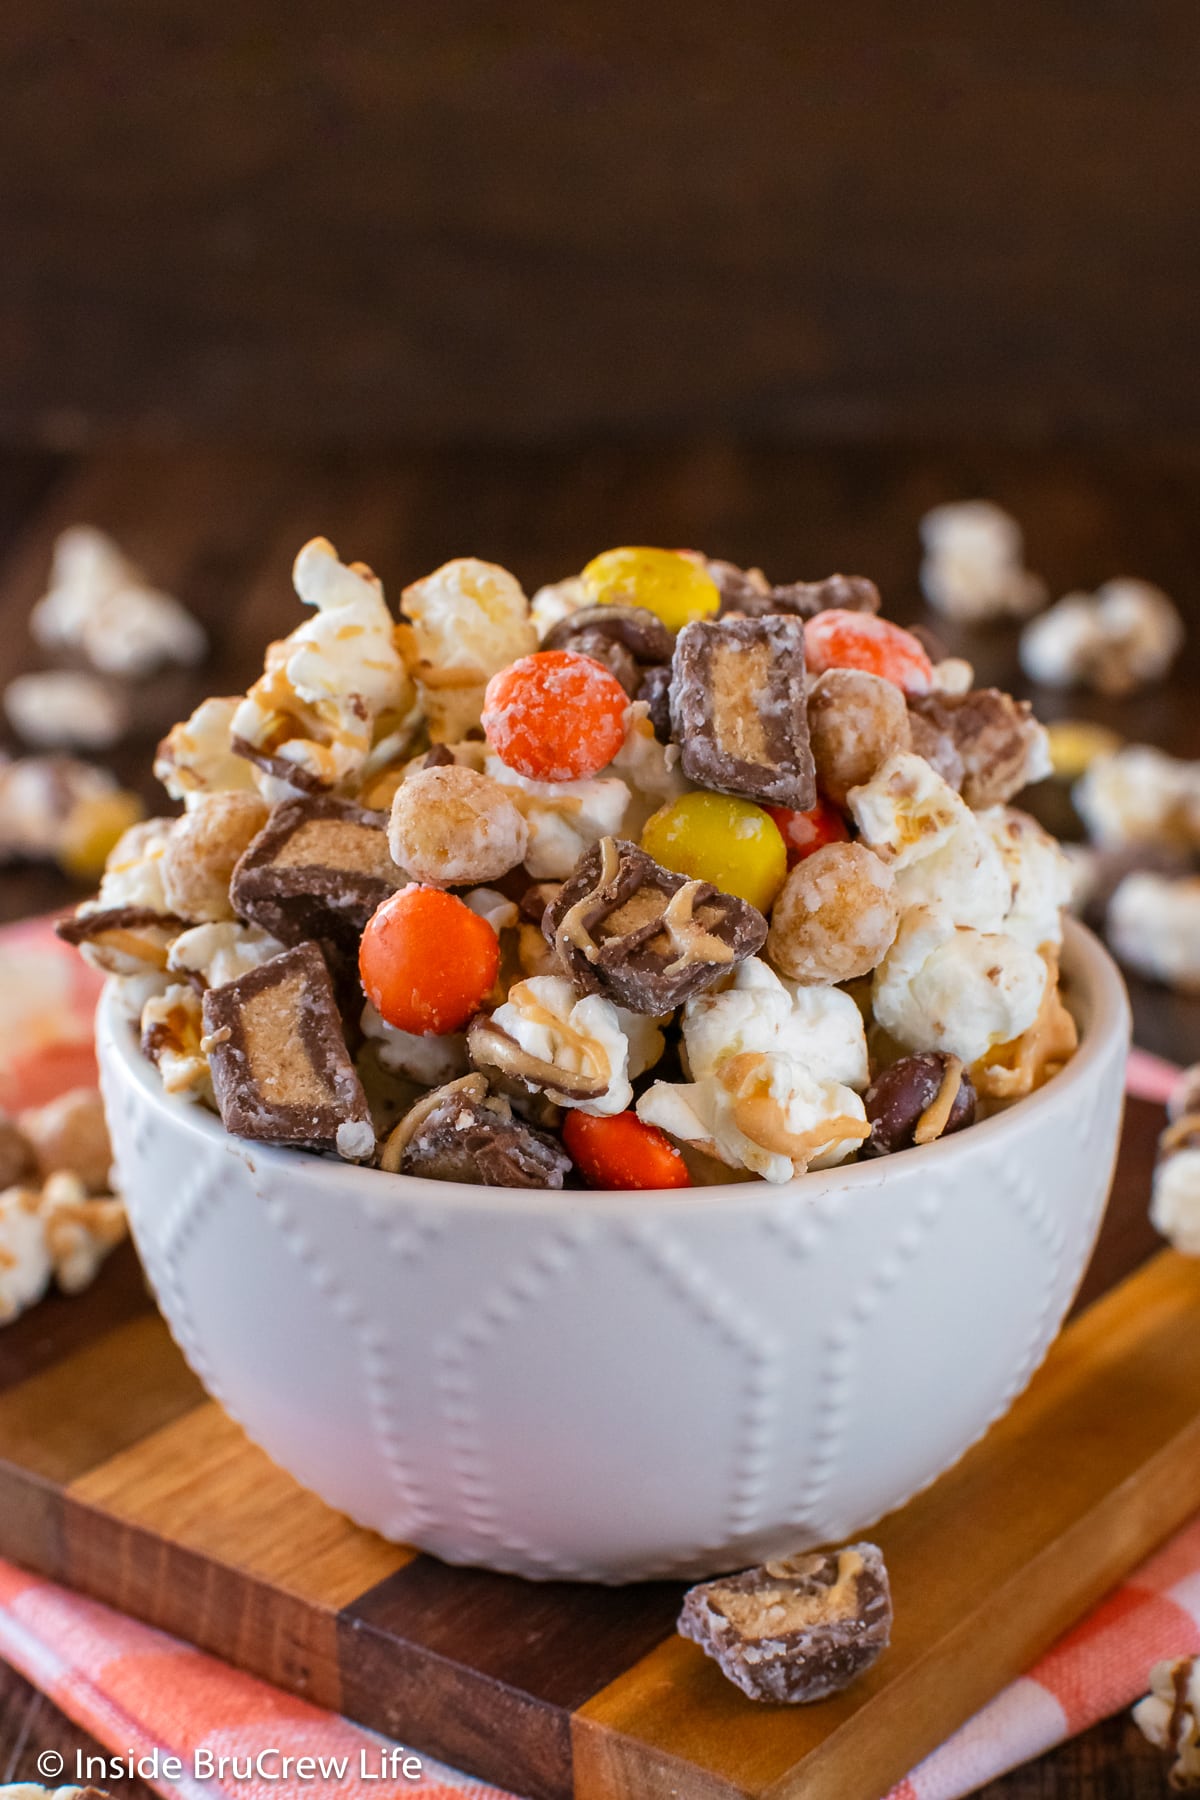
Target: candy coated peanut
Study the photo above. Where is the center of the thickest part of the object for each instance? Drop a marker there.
(671, 586)
(714, 837)
(804, 832)
(622, 1152)
(848, 640)
(555, 716)
(427, 961)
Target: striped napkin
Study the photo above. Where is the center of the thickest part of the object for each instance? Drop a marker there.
(139, 1691)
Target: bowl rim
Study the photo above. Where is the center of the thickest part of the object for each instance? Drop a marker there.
(1097, 988)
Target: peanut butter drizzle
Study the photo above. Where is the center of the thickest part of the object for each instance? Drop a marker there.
(1027, 1062)
(471, 1087)
(690, 939)
(760, 1117)
(590, 1054)
(571, 925)
(934, 1120)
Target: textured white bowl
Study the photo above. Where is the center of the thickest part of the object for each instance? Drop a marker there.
(612, 1386)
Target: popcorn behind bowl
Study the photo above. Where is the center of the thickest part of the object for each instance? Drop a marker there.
(617, 1386)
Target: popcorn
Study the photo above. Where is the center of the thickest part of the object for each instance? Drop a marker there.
(57, 808)
(555, 602)
(128, 927)
(428, 1060)
(650, 769)
(1040, 874)
(469, 620)
(1154, 928)
(754, 1010)
(547, 1038)
(64, 709)
(307, 724)
(565, 818)
(25, 1267)
(197, 756)
(1121, 638)
(99, 603)
(942, 855)
(221, 952)
(59, 1233)
(1140, 795)
(201, 850)
(172, 1034)
(1008, 1071)
(957, 989)
(1169, 1717)
(1175, 1198)
(974, 563)
(763, 1111)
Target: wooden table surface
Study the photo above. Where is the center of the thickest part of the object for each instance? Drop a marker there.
(221, 528)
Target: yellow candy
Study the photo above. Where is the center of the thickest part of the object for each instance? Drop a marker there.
(92, 828)
(673, 587)
(711, 837)
(1076, 743)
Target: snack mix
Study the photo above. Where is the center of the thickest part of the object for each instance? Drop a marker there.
(675, 876)
(1169, 1718)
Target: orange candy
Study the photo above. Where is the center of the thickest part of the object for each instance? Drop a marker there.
(555, 716)
(621, 1152)
(804, 832)
(850, 640)
(427, 961)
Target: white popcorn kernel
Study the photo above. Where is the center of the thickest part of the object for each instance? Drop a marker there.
(80, 1231)
(556, 602)
(1140, 795)
(1154, 928)
(1169, 1717)
(565, 818)
(309, 721)
(754, 1010)
(172, 1034)
(1121, 638)
(429, 1060)
(469, 620)
(762, 1111)
(1175, 1200)
(1040, 874)
(942, 855)
(99, 603)
(488, 903)
(59, 709)
(221, 952)
(942, 987)
(974, 567)
(544, 1017)
(197, 757)
(25, 1266)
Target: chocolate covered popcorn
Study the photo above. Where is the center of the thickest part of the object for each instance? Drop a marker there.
(723, 881)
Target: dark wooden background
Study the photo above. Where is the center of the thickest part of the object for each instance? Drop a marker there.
(496, 222)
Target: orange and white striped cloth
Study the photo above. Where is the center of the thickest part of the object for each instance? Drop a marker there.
(139, 1691)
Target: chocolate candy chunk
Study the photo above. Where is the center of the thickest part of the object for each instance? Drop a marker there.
(795, 1630)
(746, 592)
(461, 1132)
(280, 1069)
(626, 639)
(938, 747)
(738, 709)
(919, 1099)
(655, 690)
(317, 869)
(643, 936)
(994, 735)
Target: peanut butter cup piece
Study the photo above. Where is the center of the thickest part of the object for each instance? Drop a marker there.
(746, 591)
(798, 1629)
(739, 712)
(462, 1132)
(318, 869)
(281, 1072)
(642, 935)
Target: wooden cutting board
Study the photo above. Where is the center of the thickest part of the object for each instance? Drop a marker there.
(118, 1477)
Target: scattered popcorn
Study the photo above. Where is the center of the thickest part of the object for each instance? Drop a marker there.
(1119, 639)
(1154, 928)
(556, 602)
(53, 808)
(1175, 1197)
(71, 1134)
(307, 724)
(1039, 873)
(65, 709)
(942, 855)
(1140, 795)
(974, 567)
(1169, 1717)
(128, 927)
(80, 1231)
(763, 1111)
(426, 1059)
(1008, 1071)
(100, 604)
(25, 1266)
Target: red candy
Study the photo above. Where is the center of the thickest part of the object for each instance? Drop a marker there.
(427, 961)
(804, 832)
(621, 1152)
(851, 640)
(555, 716)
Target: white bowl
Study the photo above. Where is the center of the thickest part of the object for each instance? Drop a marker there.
(613, 1386)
